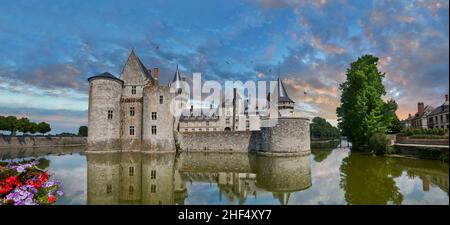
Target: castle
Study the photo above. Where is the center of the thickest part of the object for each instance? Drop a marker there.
(132, 113)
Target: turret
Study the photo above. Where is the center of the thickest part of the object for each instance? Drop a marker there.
(105, 91)
(285, 104)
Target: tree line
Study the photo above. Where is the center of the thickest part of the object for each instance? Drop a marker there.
(321, 129)
(13, 124)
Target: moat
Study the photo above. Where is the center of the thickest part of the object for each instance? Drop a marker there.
(329, 175)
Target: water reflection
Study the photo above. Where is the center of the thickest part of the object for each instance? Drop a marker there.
(142, 178)
(330, 175)
(373, 180)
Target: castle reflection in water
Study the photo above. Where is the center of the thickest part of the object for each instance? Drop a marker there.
(143, 178)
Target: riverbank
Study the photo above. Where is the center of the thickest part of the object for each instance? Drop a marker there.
(40, 141)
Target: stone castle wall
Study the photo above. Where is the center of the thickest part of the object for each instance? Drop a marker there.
(238, 141)
(288, 136)
(163, 140)
(27, 142)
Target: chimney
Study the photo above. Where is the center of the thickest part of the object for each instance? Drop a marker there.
(155, 74)
(446, 98)
(420, 107)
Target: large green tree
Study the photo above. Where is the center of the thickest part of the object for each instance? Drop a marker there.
(362, 112)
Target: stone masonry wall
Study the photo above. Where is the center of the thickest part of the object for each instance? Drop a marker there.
(13, 142)
(290, 135)
(238, 141)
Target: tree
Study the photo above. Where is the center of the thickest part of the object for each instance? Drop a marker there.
(32, 127)
(321, 129)
(23, 125)
(43, 127)
(3, 123)
(396, 126)
(83, 131)
(9, 124)
(362, 112)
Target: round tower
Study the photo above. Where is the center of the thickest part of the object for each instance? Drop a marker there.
(104, 122)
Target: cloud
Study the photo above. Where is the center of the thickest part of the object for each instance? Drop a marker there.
(50, 49)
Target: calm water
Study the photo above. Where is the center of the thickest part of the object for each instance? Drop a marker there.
(328, 176)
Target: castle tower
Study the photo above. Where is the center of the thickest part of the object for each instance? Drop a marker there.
(104, 117)
(285, 104)
(135, 76)
(158, 132)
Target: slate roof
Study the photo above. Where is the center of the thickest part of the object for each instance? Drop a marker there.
(105, 75)
(141, 65)
(282, 93)
(176, 77)
(199, 114)
(441, 109)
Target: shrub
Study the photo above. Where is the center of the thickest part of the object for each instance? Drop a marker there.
(378, 143)
(391, 150)
(433, 153)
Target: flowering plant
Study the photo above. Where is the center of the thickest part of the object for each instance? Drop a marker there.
(25, 183)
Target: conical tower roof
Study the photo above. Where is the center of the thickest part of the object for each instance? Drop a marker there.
(282, 93)
(176, 77)
(134, 69)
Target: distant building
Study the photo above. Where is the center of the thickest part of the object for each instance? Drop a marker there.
(230, 117)
(407, 121)
(420, 118)
(438, 118)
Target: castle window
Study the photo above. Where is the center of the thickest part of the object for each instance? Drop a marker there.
(153, 129)
(227, 120)
(442, 118)
(133, 90)
(132, 111)
(153, 175)
(207, 123)
(161, 99)
(154, 116)
(131, 130)
(110, 114)
(130, 190)
(108, 188)
(131, 171)
(247, 124)
(153, 188)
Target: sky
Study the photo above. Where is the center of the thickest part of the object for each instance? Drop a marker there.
(48, 49)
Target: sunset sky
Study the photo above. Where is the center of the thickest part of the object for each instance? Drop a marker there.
(49, 48)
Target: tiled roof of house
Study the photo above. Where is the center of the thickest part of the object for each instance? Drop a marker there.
(441, 109)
